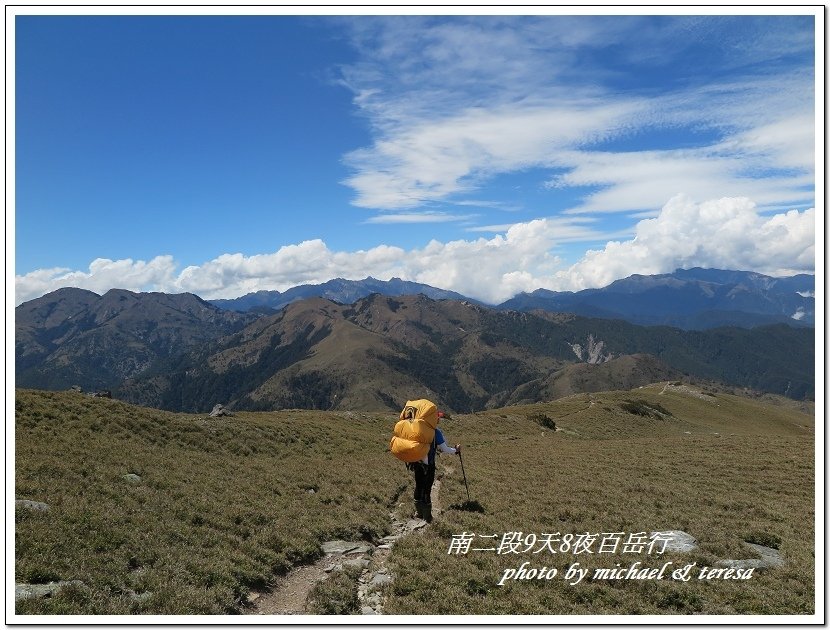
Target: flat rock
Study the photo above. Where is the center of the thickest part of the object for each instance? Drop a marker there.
(415, 523)
(367, 610)
(132, 478)
(770, 558)
(360, 563)
(678, 541)
(36, 506)
(34, 591)
(344, 546)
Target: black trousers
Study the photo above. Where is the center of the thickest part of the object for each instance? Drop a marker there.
(424, 478)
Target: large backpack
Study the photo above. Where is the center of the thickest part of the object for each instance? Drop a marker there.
(415, 431)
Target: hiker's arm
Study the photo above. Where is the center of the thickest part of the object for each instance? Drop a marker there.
(446, 449)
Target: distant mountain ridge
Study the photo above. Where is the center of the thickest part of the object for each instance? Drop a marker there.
(691, 299)
(337, 290)
(180, 352)
(382, 350)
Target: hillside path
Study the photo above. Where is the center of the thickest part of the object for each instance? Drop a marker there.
(290, 594)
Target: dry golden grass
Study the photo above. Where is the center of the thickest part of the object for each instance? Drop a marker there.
(224, 505)
(744, 471)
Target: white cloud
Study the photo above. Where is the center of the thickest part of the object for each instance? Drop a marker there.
(643, 180)
(103, 274)
(726, 233)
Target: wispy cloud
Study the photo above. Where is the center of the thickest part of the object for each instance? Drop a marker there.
(425, 217)
(549, 92)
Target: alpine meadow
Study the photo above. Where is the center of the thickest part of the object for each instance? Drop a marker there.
(397, 318)
(151, 512)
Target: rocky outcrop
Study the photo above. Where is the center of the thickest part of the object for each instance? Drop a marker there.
(593, 352)
(219, 410)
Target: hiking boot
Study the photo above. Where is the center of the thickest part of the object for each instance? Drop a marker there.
(421, 509)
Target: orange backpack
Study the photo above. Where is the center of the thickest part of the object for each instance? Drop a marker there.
(415, 431)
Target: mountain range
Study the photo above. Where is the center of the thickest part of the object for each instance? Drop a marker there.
(337, 290)
(695, 299)
(691, 299)
(180, 353)
(77, 337)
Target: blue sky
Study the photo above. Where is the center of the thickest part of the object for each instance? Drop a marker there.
(489, 155)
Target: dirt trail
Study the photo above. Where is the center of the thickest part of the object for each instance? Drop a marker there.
(289, 595)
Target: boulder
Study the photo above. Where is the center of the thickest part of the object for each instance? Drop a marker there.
(219, 410)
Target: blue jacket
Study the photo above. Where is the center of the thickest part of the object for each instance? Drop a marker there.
(438, 439)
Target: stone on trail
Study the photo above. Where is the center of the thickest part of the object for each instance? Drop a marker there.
(415, 523)
(360, 563)
(367, 610)
(132, 477)
(343, 546)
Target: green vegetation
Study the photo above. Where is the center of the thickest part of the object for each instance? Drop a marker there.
(643, 408)
(224, 505)
(542, 420)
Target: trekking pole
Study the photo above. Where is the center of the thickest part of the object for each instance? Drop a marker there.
(465, 476)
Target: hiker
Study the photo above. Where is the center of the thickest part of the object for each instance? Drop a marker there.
(415, 441)
(425, 473)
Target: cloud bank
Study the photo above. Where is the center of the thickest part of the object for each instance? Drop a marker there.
(727, 233)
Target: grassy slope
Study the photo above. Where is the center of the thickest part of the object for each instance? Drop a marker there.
(223, 504)
(606, 471)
